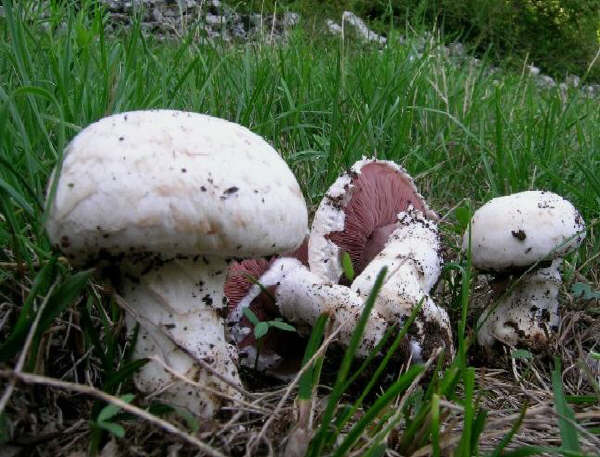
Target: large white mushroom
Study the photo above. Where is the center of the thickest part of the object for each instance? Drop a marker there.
(513, 234)
(169, 197)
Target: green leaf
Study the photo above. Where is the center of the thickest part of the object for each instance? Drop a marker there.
(113, 428)
(124, 373)
(347, 266)
(251, 316)
(310, 378)
(463, 216)
(63, 296)
(585, 291)
(191, 421)
(110, 410)
(378, 450)
(566, 417)
(282, 326)
(595, 355)
(521, 354)
(582, 399)
(261, 330)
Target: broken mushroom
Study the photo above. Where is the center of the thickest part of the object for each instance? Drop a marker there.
(168, 198)
(524, 234)
(375, 213)
(358, 213)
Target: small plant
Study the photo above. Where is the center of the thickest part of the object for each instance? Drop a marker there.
(108, 414)
(585, 291)
(261, 328)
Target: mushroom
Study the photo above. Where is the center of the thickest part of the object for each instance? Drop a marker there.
(375, 214)
(524, 234)
(286, 288)
(168, 198)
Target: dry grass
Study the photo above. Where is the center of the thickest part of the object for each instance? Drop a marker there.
(50, 416)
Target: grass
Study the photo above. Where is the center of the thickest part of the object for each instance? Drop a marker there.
(466, 134)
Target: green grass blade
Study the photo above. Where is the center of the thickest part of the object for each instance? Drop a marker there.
(506, 439)
(566, 417)
(309, 380)
(316, 445)
(382, 402)
(41, 284)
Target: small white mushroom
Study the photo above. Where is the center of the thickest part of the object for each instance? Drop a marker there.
(168, 197)
(509, 235)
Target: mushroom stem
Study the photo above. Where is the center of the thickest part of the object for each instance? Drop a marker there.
(411, 255)
(527, 314)
(301, 297)
(177, 305)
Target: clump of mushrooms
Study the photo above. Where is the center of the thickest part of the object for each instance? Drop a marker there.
(524, 234)
(169, 198)
(375, 213)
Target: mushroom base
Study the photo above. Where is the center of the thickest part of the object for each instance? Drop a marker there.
(176, 304)
(526, 315)
(302, 296)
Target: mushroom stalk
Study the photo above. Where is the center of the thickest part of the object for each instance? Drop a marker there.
(301, 297)
(527, 314)
(177, 305)
(411, 255)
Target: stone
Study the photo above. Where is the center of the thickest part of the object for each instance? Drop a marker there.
(546, 81)
(573, 80)
(456, 49)
(290, 19)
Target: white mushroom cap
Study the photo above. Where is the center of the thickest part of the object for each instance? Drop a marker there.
(523, 228)
(173, 182)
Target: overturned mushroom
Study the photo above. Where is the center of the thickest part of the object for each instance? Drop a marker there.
(167, 198)
(358, 213)
(523, 234)
(375, 214)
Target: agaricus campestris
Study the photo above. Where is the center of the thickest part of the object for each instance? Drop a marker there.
(169, 197)
(375, 214)
(525, 234)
